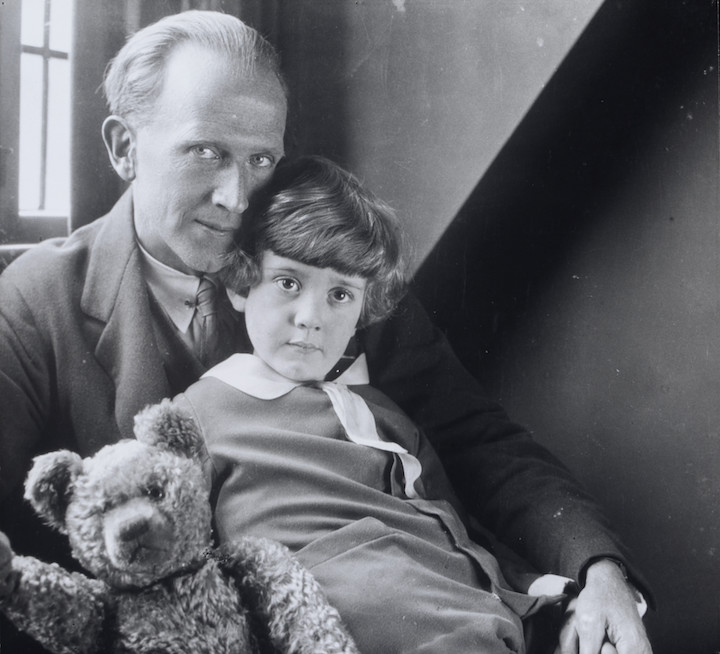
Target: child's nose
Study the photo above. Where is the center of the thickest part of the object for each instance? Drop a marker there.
(308, 314)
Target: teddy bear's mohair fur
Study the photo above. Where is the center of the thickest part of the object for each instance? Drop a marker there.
(138, 517)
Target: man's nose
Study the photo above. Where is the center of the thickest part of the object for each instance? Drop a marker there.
(309, 312)
(231, 190)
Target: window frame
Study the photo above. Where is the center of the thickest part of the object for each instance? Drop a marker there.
(10, 114)
(98, 32)
(47, 54)
(19, 227)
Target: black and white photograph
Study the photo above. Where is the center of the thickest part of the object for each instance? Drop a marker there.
(359, 326)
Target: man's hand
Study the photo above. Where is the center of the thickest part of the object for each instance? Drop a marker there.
(604, 617)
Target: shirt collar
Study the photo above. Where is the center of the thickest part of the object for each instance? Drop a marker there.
(174, 290)
(251, 375)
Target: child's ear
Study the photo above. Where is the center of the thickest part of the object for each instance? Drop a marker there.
(237, 300)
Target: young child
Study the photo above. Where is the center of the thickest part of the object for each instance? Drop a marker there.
(334, 469)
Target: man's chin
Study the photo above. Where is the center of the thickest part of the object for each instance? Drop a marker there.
(206, 263)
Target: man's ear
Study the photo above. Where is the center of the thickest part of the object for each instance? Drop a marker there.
(120, 143)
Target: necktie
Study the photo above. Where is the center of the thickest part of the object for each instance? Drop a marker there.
(207, 318)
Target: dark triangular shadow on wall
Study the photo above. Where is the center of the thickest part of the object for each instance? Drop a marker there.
(617, 87)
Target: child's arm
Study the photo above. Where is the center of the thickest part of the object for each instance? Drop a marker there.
(62, 610)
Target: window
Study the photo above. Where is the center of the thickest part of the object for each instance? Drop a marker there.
(44, 154)
(35, 42)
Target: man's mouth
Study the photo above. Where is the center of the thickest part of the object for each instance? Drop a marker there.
(217, 230)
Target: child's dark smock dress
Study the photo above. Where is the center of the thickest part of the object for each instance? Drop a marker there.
(393, 557)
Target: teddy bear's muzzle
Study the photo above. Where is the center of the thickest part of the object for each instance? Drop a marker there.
(137, 533)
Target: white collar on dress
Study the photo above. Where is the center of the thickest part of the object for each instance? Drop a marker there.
(250, 374)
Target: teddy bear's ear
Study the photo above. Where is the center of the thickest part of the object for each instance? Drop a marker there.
(48, 486)
(167, 426)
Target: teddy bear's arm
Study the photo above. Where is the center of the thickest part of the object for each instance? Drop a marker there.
(64, 611)
(287, 598)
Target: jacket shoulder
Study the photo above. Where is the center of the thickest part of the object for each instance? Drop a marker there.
(53, 260)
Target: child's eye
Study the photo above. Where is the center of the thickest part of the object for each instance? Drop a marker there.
(287, 284)
(341, 295)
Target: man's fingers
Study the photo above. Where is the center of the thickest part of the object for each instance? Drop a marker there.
(582, 634)
(568, 639)
(570, 643)
(635, 642)
(591, 637)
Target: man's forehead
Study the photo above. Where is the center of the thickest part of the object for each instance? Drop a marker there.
(201, 93)
(192, 62)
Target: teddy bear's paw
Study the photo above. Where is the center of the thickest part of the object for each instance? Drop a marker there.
(6, 552)
(287, 597)
(9, 578)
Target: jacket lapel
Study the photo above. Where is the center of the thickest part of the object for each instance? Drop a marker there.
(115, 293)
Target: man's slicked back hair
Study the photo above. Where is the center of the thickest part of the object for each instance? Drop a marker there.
(134, 78)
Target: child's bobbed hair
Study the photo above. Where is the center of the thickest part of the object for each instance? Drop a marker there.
(318, 214)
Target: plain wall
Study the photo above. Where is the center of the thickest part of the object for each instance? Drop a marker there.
(418, 97)
(580, 284)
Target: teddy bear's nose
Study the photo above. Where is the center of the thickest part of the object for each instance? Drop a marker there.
(134, 528)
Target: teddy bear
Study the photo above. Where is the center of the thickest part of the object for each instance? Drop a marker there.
(137, 515)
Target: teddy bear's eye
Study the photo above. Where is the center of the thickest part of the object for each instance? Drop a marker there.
(154, 492)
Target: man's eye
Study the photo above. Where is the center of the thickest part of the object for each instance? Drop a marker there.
(262, 161)
(205, 152)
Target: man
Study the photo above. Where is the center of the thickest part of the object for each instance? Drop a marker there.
(95, 328)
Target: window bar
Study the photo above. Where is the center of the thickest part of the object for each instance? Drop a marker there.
(45, 102)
